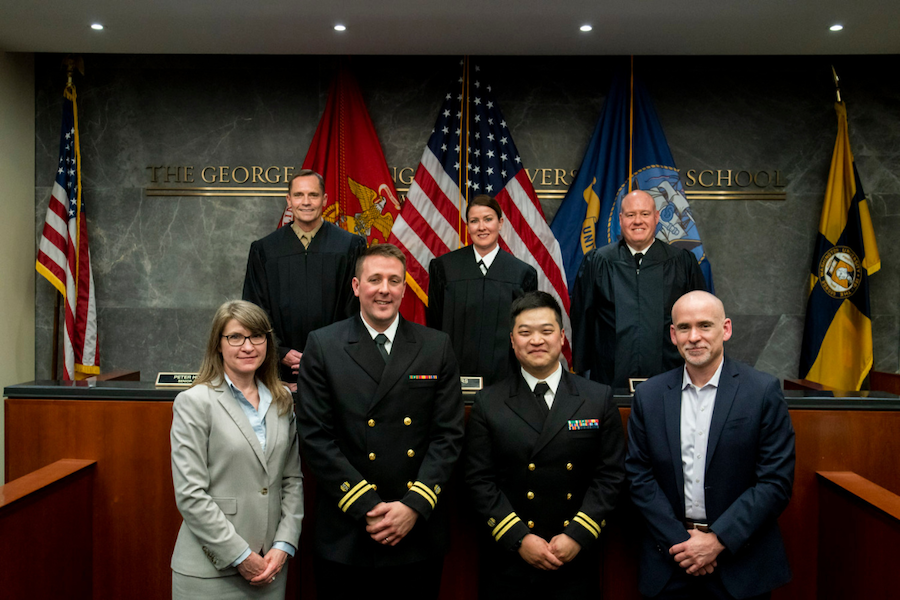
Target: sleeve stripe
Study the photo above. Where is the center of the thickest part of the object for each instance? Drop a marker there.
(588, 524)
(419, 491)
(353, 495)
(504, 525)
(507, 528)
(421, 487)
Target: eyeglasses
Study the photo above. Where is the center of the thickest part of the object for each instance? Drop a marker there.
(236, 339)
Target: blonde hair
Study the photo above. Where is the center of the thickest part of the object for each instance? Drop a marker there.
(255, 319)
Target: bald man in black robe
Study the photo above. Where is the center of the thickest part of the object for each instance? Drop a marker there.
(623, 297)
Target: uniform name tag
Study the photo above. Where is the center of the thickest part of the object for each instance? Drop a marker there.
(421, 377)
(578, 424)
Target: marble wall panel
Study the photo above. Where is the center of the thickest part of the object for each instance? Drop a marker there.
(162, 265)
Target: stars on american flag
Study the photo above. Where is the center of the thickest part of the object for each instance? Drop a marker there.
(486, 134)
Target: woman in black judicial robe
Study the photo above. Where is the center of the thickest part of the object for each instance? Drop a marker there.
(472, 306)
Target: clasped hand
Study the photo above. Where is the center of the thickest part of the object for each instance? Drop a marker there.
(548, 556)
(697, 555)
(389, 522)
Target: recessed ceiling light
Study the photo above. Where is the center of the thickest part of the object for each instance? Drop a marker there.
(586, 28)
(340, 27)
(96, 26)
(836, 27)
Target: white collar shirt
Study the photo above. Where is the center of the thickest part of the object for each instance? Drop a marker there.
(487, 259)
(390, 333)
(697, 406)
(552, 382)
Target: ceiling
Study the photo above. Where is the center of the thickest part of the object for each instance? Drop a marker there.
(484, 27)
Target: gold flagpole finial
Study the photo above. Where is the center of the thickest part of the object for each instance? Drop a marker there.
(837, 84)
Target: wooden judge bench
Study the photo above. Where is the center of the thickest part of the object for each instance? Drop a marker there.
(88, 508)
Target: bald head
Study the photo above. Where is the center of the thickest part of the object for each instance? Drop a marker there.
(699, 330)
(699, 299)
(638, 218)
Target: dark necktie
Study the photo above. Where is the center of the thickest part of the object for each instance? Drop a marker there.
(482, 267)
(539, 391)
(637, 260)
(380, 341)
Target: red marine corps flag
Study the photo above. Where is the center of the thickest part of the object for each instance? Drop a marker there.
(346, 152)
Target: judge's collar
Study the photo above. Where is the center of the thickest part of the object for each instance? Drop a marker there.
(488, 258)
(644, 251)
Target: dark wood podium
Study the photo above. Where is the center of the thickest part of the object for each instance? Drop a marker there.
(124, 428)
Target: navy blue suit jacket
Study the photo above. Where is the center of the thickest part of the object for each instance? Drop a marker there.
(749, 477)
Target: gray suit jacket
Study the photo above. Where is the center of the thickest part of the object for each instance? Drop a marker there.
(230, 493)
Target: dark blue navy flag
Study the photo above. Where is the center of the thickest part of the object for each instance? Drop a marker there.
(588, 216)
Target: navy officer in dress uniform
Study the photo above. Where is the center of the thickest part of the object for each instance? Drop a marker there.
(544, 463)
(380, 417)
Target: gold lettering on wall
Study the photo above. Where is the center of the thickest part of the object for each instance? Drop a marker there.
(725, 180)
(549, 183)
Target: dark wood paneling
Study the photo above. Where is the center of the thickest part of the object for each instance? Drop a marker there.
(859, 533)
(45, 533)
(137, 520)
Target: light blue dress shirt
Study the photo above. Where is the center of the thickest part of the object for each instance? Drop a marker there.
(257, 418)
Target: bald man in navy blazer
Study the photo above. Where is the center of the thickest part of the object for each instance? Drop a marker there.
(710, 464)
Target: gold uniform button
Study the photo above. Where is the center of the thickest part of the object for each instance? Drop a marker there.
(569, 466)
(603, 523)
(530, 495)
(409, 485)
(568, 496)
(407, 421)
(530, 524)
(374, 488)
(531, 466)
(371, 456)
(566, 523)
(491, 522)
(371, 422)
(410, 453)
(264, 491)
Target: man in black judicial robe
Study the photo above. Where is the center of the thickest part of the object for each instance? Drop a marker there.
(623, 297)
(300, 275)
(470, 302)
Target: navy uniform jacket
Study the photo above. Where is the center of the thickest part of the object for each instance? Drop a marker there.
(374, 433)
(302, 289)
(749, 477)
(473, 308)
(531, 473)
(621, 315)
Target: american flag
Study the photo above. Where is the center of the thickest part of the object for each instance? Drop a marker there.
(63, 256)
(432, 220)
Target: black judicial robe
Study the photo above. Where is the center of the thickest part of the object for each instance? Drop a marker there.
(621, 314)
(474, 308)
(302, 289)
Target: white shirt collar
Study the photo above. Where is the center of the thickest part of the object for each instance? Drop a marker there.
(713, 381)
(552, 379)
(390, 332)
(488, 258)
(644, 251)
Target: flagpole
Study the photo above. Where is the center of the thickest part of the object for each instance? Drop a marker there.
(837, 84)
(464, 152)
(631, 126)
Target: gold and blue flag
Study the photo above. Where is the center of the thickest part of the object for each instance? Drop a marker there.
(628, 151)
(837, 337)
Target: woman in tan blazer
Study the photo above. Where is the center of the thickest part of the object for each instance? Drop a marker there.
(236, 466)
